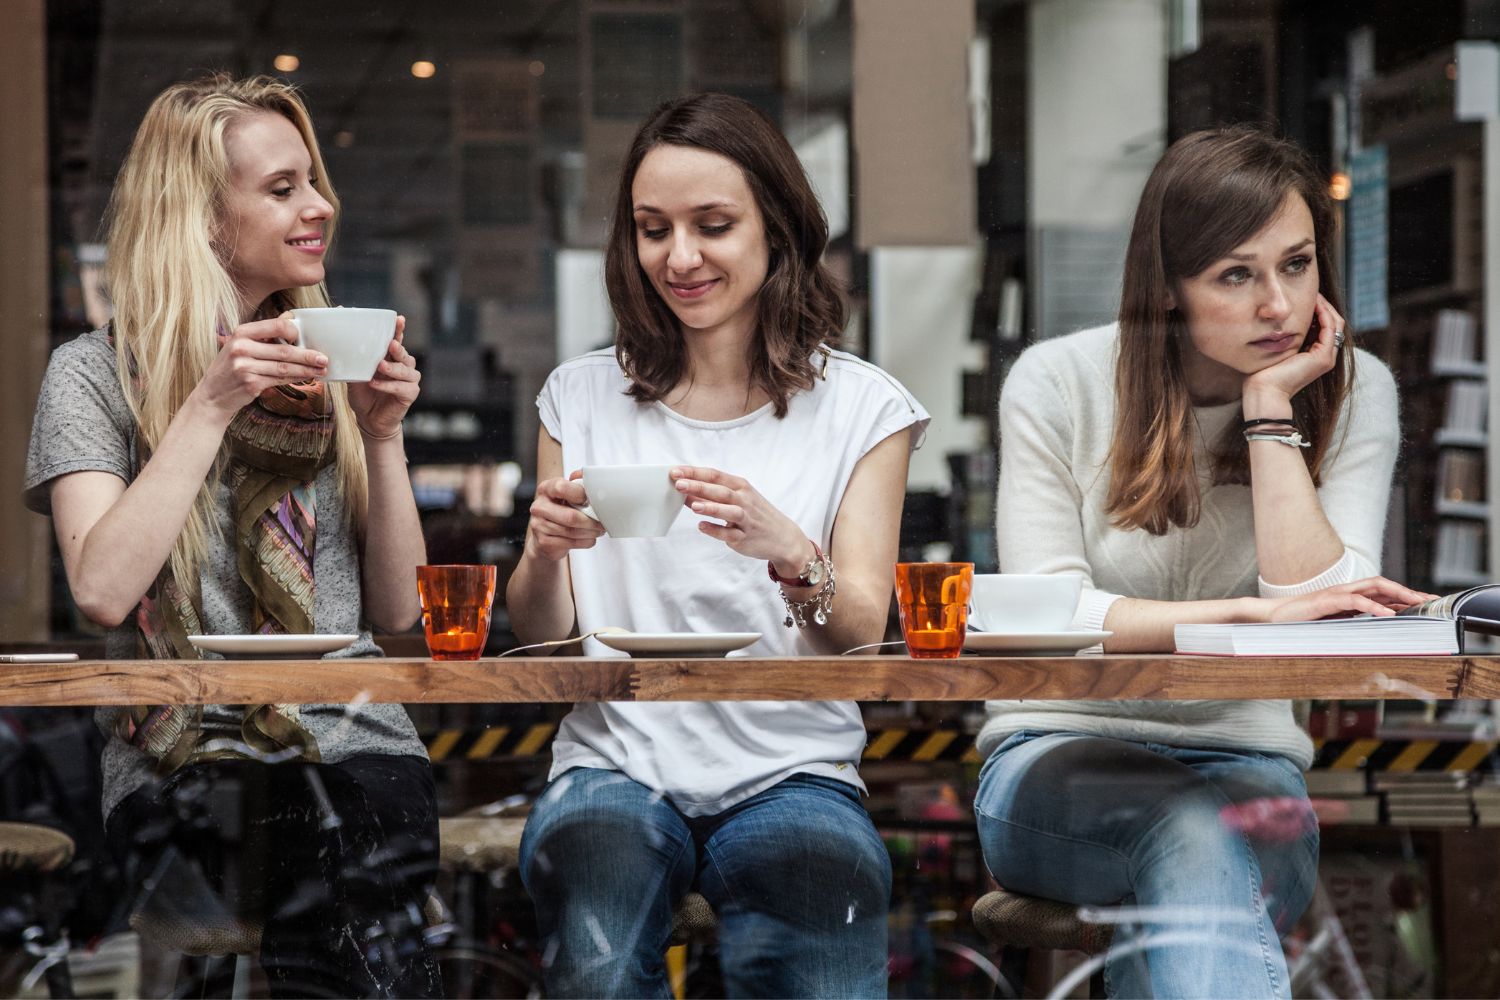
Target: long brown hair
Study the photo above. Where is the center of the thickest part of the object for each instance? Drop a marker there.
(1211, 192)
(800, 306)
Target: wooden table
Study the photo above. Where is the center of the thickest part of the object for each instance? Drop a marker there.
(858, 678)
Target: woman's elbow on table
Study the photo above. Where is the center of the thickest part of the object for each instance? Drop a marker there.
(102, 608)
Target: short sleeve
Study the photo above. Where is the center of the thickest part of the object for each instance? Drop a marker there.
(892, 408)
(548, 405)
(82, 422)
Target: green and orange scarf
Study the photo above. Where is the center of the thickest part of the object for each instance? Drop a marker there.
(276, 447)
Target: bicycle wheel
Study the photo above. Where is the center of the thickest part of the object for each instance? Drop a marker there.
(473, 971)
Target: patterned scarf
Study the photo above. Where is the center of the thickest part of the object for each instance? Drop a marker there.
(276, 447)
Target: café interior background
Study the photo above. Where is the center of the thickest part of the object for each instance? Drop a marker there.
(979, 163)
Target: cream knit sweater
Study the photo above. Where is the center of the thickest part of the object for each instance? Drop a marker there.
(1056, 418)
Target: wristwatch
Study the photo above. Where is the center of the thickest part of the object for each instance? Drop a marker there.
(812, 573)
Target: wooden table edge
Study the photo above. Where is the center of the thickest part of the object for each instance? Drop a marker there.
(848, 678)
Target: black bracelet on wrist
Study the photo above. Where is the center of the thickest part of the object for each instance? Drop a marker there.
(1264, 421)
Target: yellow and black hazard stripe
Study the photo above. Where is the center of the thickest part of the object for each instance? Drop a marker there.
(1406, 755)
(954, 745)
(920, 744)
(526, 741)
(491, 742)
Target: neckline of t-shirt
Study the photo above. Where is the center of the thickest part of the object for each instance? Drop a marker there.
(717, 425)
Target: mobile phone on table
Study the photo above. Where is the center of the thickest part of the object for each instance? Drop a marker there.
(38, 657)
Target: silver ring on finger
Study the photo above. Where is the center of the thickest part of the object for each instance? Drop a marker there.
(1338, 339)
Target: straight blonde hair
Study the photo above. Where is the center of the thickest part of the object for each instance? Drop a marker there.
(168, 279)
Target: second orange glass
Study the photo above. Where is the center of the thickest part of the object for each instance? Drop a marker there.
(933, 599)
(456, 603)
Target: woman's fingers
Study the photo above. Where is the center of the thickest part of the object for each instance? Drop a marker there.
(1383, 589)
(702, 476)
(726, 512)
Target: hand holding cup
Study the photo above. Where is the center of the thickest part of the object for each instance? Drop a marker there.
(557, 526)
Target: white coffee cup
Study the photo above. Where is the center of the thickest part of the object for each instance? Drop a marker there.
(1024, 602)
(355, 340)
(632, 501)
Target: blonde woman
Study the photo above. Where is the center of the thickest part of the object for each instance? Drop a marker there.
(201, 479)
(1211, 457)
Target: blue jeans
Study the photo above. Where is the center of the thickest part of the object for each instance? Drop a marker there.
(1095, 821)
(798, 876)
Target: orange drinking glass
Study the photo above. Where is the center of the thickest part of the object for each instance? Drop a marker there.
(933, 599)
(456, 603)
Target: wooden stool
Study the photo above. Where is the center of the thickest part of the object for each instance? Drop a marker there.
(28, 852)
(1011, 920)
(27, 847)
(181, 913)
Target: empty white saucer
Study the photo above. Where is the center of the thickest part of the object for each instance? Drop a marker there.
(677, 643)
(252, 647)
(1021, 643)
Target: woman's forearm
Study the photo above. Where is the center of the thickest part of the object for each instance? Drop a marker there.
(115, 544)
(539, 598)
(1147, 626)
(856, 617)
(1294, 540)
(393, 545)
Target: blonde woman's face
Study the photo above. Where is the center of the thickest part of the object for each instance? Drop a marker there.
(1253, 307)
(274, 219)
(700, 238)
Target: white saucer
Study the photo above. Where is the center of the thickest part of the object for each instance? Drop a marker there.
(677, 643)
(253, 647)
(1019, 643)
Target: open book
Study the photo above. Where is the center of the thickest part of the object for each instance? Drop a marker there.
(1433, 628)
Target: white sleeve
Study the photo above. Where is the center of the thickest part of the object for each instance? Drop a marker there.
(1357, 479)
(548, 406)
(1038, 508)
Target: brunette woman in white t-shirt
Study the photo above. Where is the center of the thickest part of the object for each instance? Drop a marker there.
(1209, 458)
(791, 460)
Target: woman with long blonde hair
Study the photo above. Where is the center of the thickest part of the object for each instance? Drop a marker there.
(1210, 457)
(202, 478)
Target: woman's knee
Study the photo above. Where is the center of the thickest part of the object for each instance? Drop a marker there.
(587, 815)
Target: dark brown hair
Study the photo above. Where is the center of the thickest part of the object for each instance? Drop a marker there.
(800, 306)
(1211, 192)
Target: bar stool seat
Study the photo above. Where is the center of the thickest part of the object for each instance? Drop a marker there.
(171, 929)
(30, 847)
(1012, 920)
(480, 844)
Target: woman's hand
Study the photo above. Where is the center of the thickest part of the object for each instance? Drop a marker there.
(752, 525)
(1275, 386)
(254, 357)
(556, 526)
(380, 404)
(1375, 596)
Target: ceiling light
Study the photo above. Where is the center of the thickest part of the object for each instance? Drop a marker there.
(422, 69)
(536, 67)
(343, 138)
(286, 63)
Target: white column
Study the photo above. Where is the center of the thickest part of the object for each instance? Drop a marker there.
(1097, 120)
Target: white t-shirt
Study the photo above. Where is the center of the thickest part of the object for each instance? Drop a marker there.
(707, 756)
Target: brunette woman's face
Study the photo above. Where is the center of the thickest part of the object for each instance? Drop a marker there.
(700, 238)
(274, 219)
(1253, 307)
